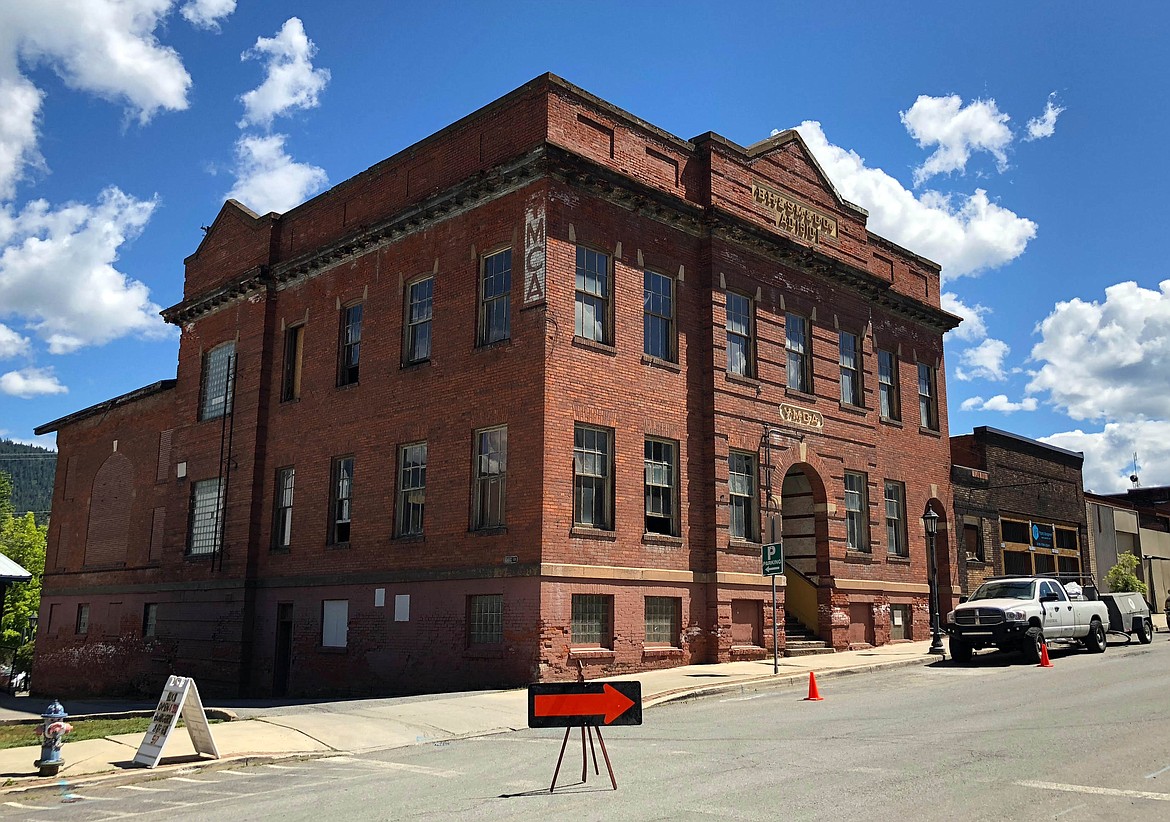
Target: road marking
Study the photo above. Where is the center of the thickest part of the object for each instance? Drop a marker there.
(193, 781)
(1090, 789)
(744, 698)
(401, 766)
(1157, 773)
(281, 767)
(144, 789)
(1070, 810)
(93, 798)
(240, 773)
(24, 807)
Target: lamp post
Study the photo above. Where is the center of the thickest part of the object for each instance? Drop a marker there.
(930, 525)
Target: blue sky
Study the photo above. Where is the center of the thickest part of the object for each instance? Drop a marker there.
(1020, 145)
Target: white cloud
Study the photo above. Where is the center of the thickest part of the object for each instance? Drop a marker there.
(206, 14)
(984, 361)
(973, 327)
(1000, 403)
(267, 179)
(31, 382)
(104, 47)
(1109, 453)
(958, 131)
(291, 80)
(1044, 125)
(12, 344)
(1108, 360)
(57, 271)
(965, 234)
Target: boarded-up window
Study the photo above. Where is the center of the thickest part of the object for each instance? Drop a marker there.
(157, 526)
(747, 622)
(164, 455)
(109, 512)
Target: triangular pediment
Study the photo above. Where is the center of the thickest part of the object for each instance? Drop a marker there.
(788, 148)
(233, 213)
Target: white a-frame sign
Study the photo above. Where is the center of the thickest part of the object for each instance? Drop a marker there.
(180, 698)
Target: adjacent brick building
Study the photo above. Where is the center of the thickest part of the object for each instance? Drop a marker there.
(526, 396)
(1019, 508)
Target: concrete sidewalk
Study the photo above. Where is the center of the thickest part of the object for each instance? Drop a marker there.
(267, 730)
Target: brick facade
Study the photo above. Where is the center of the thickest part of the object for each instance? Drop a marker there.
(547, 171)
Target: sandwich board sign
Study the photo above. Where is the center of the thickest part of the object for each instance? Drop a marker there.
(180, 698)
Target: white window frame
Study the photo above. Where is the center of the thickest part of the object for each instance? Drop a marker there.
(412, 489)
(742, 495)
(896, 536)
(282, 519)
(798, 348)
(890, 397)
(420, 311)
(495, 289)
(660, 485)
(856, 511)
(341, 500)
(928, 396)
(740, 327)
(658, 326)
(593, 300)
(849, 347)
(489, 494)
(593, 471)
(349, 345)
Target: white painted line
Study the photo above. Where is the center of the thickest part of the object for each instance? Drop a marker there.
(400, 766)
(1090, 789)
(240, 773)
(144, 789)
(1157, 773)
(744, 698)
(1070, 810)
(281, 767)
(193, 781)
(24, 807)
(92, 798)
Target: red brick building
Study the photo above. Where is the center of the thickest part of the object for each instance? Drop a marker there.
(521, 397)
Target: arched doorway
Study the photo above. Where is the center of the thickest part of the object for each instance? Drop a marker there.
(805, 530)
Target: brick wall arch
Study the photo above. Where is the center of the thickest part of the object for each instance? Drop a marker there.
(106, 540)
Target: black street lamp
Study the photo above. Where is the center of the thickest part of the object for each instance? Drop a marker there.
(930, 524)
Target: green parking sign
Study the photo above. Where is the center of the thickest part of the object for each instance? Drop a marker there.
(773, 555)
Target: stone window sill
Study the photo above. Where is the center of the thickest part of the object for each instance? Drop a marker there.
(666, 365)
(585, 532)
(605, 654)
(594, 345)
(662, 650)
(662, 539)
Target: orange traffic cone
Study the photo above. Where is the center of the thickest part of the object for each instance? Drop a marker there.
(1045, 662)
(813, 694)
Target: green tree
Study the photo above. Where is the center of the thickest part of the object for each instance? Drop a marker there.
(1123, 578)
(23, 542)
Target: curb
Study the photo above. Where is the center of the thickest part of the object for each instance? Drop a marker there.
(222, 714)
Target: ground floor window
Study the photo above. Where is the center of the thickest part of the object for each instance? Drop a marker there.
(662, 620)
(485, 622)
(591, 622)
(334, 623)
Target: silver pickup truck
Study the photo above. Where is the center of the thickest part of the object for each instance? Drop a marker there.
(1022, 613)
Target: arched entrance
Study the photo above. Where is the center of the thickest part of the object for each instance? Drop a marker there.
(806, 548)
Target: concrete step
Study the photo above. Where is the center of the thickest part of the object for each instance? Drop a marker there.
(808, 651)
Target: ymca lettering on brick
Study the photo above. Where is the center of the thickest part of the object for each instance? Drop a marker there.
(803, 417)
(534, 255)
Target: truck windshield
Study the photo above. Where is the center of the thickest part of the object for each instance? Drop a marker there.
(1021, 589)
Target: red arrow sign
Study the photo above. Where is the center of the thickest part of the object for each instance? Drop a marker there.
(610, 703)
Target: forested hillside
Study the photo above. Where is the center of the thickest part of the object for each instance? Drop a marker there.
(31, 469)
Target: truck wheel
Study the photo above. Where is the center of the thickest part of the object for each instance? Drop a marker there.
(960, 651)
(1033, 640)
(1145, 631)
(1095, 641)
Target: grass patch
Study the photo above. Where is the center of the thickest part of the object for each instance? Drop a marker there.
(20, 736)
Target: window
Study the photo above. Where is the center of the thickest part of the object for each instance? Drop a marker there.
(1015, 531)
(890, 403)
(740, 353)
(294, 348)
(491, 471)
(412, 488)
(342, 500)
(590, 624)
(973, 542)
(592, 480)
(216, 394)
(282, 527)
(495, 284)
(662, 620)
(419, 307)
(850, 369)
(334, 623)
(1066, 539)
(927, 397)
(485, 619)
(350, 345)
(661, 484)
(149, 619)
(658, 316)
(206, 516)
(82, 626)
(896, 519)
(592, 303)
(741, 488)
(856, 512)
(797, 343)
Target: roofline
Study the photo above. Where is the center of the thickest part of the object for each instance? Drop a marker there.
(106, 406)
(984, 430)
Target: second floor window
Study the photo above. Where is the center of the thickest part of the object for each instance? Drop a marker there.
(896, 519)
(799, 347)
(282, 529)
(856, 512)
(341, 500)
(206, 517)
(412, 488)
(491, 472)
(294, 346)
(419, 297)
(740, 356)
(741, 488)
(216, 392)
(850, 369)
(495, 286)
(593, 294)
(658, 316)
(350, 345)
(661, 485)
(592, 480)
(890, 404)
(927, 397)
